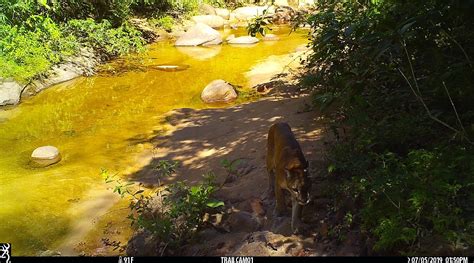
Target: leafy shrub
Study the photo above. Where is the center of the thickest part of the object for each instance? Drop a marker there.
(397, 77)
(15, 12)
(30, 49)
(104, 37)
(173, 213)
(259, 25)
(166, 22)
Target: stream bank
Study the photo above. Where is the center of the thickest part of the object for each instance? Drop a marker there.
(86, 59)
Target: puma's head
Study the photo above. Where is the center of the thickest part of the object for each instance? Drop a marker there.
(298, 183)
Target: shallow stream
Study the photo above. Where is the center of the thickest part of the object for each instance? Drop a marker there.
(99, 122)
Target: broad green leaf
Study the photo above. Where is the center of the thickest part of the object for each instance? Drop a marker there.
(214, 204)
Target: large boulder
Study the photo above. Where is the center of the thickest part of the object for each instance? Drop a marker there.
(83, 63)
(206, 9)
(45, 155)
(213, 21)
(218, 91)
(10, 92)
(245, 40)
(249, 12)
(198, 35)
(223, 12)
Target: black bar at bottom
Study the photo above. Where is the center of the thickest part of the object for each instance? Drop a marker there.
(125, 259)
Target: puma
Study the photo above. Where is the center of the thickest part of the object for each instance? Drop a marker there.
(288, 170)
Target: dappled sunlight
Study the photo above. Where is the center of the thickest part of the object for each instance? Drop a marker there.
(200, 139)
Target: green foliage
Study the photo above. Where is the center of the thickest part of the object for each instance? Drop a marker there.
(18, 11)
(105, 38)
(166, 168)
(30, 49)
(397, 77)
(259, 25)
(230, 166)
(166, 22)
(173, 213)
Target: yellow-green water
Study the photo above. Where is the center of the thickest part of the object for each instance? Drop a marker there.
(99, 122)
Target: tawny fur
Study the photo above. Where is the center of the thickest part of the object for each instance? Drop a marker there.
(287, 170)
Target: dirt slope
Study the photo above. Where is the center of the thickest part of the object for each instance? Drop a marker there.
(201, 139)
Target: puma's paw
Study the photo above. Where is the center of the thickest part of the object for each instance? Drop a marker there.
(299, 228)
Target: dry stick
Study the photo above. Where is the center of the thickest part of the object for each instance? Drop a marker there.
(460, 47)
(464, 52)
(426, 107)
(164, 249)
(412, 71)
(418, 95)
(456, 112)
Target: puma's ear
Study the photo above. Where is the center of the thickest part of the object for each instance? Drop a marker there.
(288, 174)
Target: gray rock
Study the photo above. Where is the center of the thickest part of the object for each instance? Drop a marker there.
(218, 91)
(206, 9)
(143, 243)
(245, 40)
(10, 92)
(213, 21)
(171, 67)
(265, 243)
(45, 155)
(198, 35)
(223, 12)
(82, 64)
(243, 221)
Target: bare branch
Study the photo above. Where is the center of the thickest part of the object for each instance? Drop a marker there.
(425, 106)
(417, 94)
(460, 47)
(456, 112)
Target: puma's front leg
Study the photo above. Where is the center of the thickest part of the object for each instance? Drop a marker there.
(279, 200)
(295, 215)
(271, 182)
